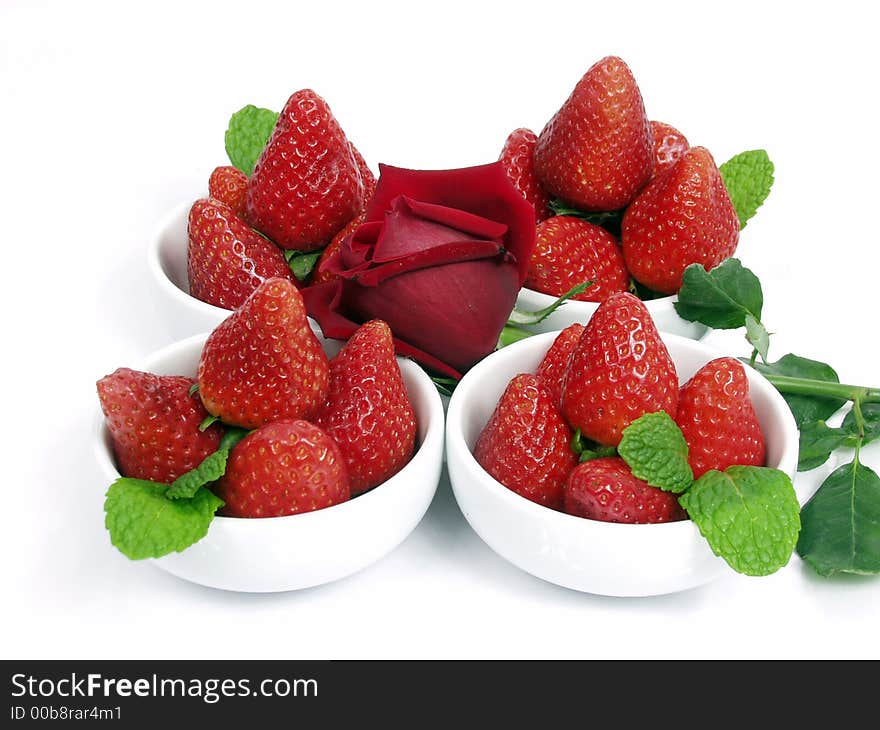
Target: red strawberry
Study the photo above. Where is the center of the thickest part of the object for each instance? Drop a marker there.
(368, 412)
(518, 158)
(306, 184)
(226, 259)
(669, 146)
(555, 363)
(683, 217)
(283, 468)
(598, 151)
(527, 445)
(569, 251)
(154, 424)
(229, 185)
(716, 416)
(319, 276)
(264, 362)
(619, 371)
(605, 489)
(367, 176)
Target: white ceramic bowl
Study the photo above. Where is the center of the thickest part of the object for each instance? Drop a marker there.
(287, 553)
(588, 555)
(662, 310)
(182, 313)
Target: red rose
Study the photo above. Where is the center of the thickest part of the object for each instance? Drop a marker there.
(440, 257)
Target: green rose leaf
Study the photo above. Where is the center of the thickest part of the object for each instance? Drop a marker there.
(871, 420)
(144, 523)
(841, 523)
(654, 448)
(818, 440)
(805, 408)
(748, 515)
(748, 178)
(249, 130)
(722, 298)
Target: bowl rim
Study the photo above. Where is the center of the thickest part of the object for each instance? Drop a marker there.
(457, 447)
(434, 433)
(545, 300)
(154, 264)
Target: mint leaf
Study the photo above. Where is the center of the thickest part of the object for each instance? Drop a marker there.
(871, 419)
(805, 408)
(818, 440)
(210, 470)
(748, 515)
(144, 524)
(748, 178)
(721, 298)
(655, 449)
(302, 264)
(841, 523)
(249, 130)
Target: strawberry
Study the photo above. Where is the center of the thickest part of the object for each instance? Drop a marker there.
(226, 259)
(264, 362)
(283, 468)
(320, 276)
(619, 371)
(555, 363)
(229, 185)
(367, 176)
(716, 416)
(518, 158)
(154, 424)
(683, 217)
(368, 412)
(605, 489)
(598, 151)
(669, 146)
(526, 445)
(306, 184)
(569, 251)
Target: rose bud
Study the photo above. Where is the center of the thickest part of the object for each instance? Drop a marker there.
(440, 257)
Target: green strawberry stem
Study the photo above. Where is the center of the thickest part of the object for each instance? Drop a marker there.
(822, 388)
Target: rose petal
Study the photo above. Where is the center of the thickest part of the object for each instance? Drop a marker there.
(322, 302)
(484, 190)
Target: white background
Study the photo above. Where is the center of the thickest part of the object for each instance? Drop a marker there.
(111, 115)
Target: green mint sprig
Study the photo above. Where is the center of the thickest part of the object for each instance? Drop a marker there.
(747, 514)
(249, 130)
(841, 523)
(150, 519)
(656, 451)
(748, 178)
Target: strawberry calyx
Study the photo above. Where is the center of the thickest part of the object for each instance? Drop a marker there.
(587, 450)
